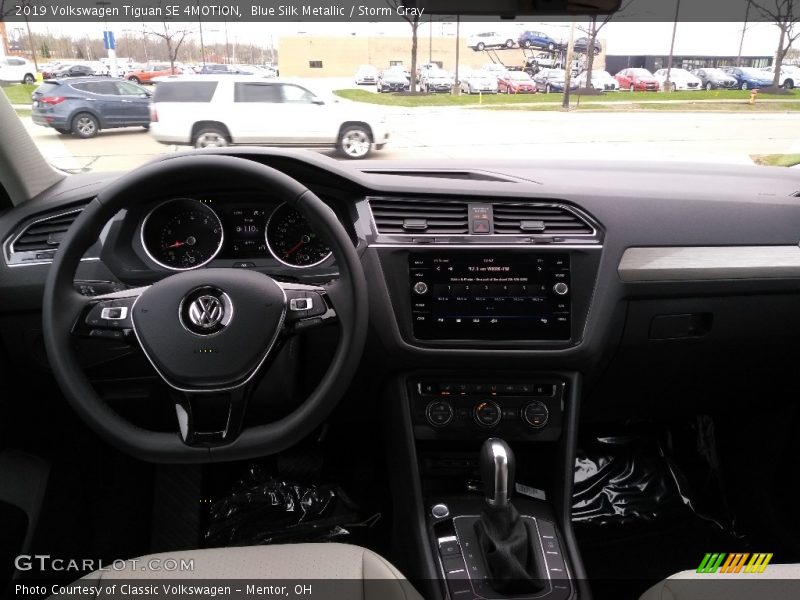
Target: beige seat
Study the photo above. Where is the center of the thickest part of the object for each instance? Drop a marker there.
(777, 582)
(334, 570)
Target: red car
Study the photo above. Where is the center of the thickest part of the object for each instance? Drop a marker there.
(147, 74)
(515, 82)
(637, 80)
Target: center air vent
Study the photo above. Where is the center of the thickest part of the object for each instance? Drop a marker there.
(548, 219)
(412, 217)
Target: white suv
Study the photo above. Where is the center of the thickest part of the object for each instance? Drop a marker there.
(491, 39)
(207, 111)
(14, 69)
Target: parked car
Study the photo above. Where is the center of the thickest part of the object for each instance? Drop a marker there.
(148, 73)
(220, 69)
(545, 60)
(84, 106)
(713, 79)
(206, 111)
(393, 80)
(537, 39)
(679, 79)
(516, 82)
(637, 80)
(553, 80)
(748, 78)
(436, 80)
(601, 80)
(14, 69)
(491, 39)
(366, 74)
(477, 82)
(71, 70)
(582, 45)
(495, 69)
(789, 77)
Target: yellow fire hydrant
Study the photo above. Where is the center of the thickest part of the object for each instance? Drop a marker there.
(753, 96)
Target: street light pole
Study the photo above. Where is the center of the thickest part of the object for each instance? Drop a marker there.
(568, 66)
(667, 84)
(744, 30)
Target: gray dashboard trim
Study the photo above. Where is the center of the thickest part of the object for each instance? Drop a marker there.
(698, 263)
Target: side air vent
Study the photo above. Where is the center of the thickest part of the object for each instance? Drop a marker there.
(548, 219)
(38, 240)
(45, 234)
(416, 217)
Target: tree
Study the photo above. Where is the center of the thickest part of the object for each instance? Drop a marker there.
(591, 31)
(173, 38)
(413, 21)
(785, 14)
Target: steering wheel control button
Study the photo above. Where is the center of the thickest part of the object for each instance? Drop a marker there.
(561, 288)
(487, 413)
(206, 311)
(536, 414)
(439, 413)
(420, 288)
(301, 304)
(114, 313)
(440, 511)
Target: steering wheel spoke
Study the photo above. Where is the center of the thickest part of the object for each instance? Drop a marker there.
(107, 316)
(211, 419)
(307, 307)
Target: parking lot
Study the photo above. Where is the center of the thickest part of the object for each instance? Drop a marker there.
(439, 132)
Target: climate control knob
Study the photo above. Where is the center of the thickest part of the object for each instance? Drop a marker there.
(536, 414)
(420, 288)
(486, 413)
(439, 413)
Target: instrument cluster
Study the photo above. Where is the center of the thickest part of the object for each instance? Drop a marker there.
(186, 233)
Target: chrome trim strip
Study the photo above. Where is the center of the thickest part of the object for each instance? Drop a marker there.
(709, 263)
(197, 266)
(526, 247)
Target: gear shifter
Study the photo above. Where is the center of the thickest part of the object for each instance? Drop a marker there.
(506, 541)
(497, 471)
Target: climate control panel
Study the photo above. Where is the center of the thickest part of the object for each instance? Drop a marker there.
(466, 409)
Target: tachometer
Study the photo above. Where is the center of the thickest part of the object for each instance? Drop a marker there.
(182, 234)
(291, 240)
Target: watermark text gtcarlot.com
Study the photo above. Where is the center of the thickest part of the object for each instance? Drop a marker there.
(45, 562)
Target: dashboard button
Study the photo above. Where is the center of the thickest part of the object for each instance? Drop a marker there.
(420, 288)
(439, 413)
(561, 288)
(536, 414)
(487, 413)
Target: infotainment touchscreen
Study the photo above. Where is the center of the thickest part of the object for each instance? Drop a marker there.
(490, 296)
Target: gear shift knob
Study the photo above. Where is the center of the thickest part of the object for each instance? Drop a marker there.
(498, 467)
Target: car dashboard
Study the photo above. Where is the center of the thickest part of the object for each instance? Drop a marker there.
(488, 261)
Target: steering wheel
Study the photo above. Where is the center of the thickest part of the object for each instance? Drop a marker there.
(209, 333)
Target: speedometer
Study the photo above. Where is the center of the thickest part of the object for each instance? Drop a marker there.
(182, 234)
(291, 240)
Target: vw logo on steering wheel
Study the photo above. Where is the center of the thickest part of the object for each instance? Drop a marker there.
(206, 310)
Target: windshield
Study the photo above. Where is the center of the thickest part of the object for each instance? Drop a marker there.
(417, 79)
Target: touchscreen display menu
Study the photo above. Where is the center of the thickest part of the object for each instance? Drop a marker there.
(490, 296)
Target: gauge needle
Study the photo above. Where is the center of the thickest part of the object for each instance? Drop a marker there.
(294, 248)
(175, 245)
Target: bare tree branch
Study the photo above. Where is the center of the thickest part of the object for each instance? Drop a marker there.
(785, 14)
(592, 30)
(414, 22)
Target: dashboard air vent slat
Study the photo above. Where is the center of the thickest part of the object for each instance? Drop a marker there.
(420, 216)
(555, 220)
(45, 234)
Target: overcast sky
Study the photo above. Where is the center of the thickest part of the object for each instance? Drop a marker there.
(622, 38)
